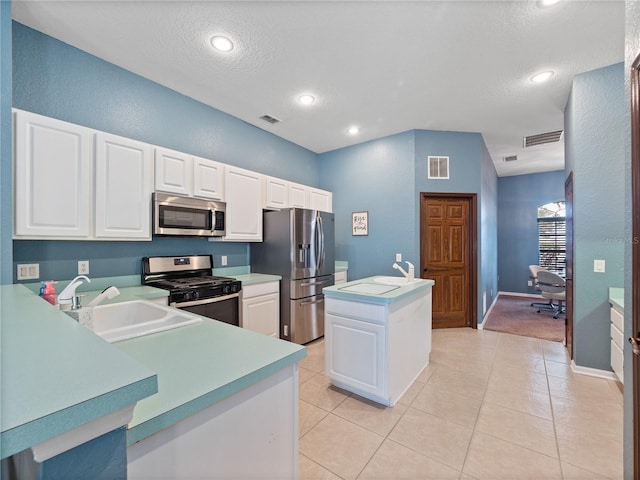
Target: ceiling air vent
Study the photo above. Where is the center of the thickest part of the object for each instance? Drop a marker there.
(511, 158)
(270, 119)
(542, 138)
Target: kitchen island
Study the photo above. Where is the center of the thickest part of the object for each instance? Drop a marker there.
(377, 335)
(220, 391)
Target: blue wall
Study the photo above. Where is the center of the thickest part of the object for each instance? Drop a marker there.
(385, 177)
(6, 203)
(377, 177)
(54, 79)
(470, 171)
(595, 119)
(519, 197)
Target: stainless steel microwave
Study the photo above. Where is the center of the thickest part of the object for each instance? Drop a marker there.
(187, 216)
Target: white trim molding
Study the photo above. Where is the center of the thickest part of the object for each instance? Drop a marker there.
(593, 372)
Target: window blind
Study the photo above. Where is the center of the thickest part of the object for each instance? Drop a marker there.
(552, 244)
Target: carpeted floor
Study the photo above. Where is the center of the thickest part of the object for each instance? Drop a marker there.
(516, 315)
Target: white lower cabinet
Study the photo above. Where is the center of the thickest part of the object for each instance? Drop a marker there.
(365, 371)
(261, 308)
(377, 350)
(252, 434)
(617, 343)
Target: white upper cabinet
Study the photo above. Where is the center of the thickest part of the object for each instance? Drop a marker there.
(124, 182)
(276, 193)
(174, 171)
(243, 193)
(53, 177)
(184, 174)
(208, 179)
(280, 193)
(298, 195)
(320, 200)
(73, 182)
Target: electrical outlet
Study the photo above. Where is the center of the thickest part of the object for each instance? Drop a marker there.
(530, 283)
(28, 271)
(83, 267)
(398, 257)
(598, 266)
(224, 260)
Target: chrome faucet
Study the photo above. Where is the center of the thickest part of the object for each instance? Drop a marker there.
(410, 275)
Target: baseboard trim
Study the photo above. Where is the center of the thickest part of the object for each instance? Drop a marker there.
(592, 372)
(481, 325)
(518, 294)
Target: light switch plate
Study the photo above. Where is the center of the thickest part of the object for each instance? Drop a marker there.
(598, 266)
(223, 260)
(398, 257)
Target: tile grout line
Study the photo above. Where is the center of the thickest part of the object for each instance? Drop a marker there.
(484, 394)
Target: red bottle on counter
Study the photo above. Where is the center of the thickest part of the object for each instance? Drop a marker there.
(49, 293)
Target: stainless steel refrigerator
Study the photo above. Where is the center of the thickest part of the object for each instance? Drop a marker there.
(298, 244)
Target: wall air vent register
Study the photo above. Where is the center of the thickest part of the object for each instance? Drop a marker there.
(438, 167)
(542, 138)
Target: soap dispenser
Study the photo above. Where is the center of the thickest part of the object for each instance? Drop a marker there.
(65, 298)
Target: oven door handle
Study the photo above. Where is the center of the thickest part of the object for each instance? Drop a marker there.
(204, 301)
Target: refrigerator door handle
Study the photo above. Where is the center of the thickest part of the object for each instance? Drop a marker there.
(311, 302)
(320, 233)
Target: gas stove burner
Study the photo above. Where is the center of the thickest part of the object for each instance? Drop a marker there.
(187, 278)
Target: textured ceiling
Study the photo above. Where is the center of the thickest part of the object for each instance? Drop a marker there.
(387, 67)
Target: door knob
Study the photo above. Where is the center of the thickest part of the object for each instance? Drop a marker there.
(635, 345)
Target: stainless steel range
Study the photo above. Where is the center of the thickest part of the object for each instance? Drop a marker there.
(193, 287)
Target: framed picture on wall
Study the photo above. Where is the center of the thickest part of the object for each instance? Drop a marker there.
(360, 223)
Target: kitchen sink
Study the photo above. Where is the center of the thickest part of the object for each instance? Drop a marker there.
(394, 280)
(122, 321)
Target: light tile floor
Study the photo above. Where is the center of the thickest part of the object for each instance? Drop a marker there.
(488, 406)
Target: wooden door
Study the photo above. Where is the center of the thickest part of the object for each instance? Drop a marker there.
(568, 322)
(448, 256)
(635, 263)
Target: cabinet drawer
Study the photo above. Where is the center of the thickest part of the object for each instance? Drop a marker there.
(617, 359)
(258, 289)
(617, 336)
(617, 319)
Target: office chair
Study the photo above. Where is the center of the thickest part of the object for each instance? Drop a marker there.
(533, 273)
(552, 286)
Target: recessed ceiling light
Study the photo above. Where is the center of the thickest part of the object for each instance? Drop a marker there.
(353, 130)
(542, 76)
(306, 99)
(548, 3)
(221, 43)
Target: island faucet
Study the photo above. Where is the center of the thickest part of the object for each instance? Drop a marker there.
(410, 274)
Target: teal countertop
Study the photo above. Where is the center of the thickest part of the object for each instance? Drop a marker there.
(367, 290)
(62, 375)
(56, 374)
(616, 297)
(200, 365)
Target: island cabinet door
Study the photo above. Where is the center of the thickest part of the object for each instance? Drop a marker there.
(357, 354)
